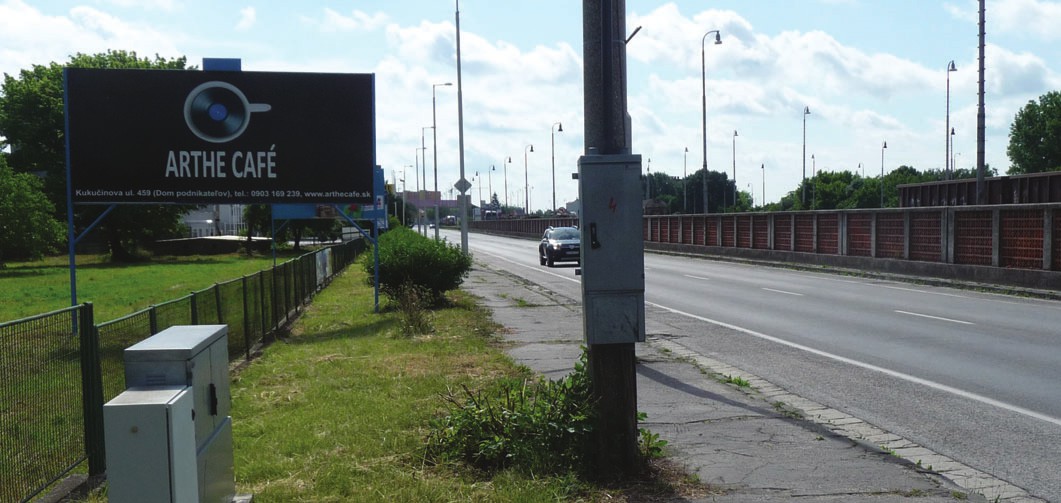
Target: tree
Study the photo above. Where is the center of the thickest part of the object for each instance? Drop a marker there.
(1035, 136)
(27, 228)
(31, 118)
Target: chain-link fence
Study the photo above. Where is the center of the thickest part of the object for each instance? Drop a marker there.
(57, 369)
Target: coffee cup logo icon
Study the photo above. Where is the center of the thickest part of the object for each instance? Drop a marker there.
(219, 112)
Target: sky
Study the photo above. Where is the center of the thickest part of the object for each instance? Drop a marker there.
(869, 72)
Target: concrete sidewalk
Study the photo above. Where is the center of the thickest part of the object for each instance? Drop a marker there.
(748, 444)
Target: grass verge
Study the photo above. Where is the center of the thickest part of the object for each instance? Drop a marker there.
(340, 411)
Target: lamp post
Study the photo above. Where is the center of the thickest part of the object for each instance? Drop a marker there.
(814, 182)
(950, 154)
(685, 177)
(416, 176)
(882, 147)
(734, 170)
(763, 197)
(948, 131)
(806, 112)
(434, 141)
(526, 180)
(503, 165)
(423, 166)
(490, 185)
(477, 177)
(703, 99)
(552, 145)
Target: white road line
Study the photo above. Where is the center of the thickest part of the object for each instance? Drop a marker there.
(934, 317)
(696, 277)
(784, 292)
(868, 366)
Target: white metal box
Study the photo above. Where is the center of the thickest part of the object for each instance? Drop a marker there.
(149, 435)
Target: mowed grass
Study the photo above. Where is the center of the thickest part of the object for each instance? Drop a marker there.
(339, 409)
(31, 288)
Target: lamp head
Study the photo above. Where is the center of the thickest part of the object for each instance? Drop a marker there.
(734, 132)
(806, 110)
(952, 131)
(885, 145)
(531, 147)
(951, 67)
(718, 38)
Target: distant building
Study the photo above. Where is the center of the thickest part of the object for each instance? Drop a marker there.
(216, 220)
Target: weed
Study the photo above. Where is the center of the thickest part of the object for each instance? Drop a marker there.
(736, 380)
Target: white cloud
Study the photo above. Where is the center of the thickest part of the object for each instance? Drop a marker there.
(247, 17)
(29, 37)
(1032, 17)
(1035, 18)
(162, 5)
(334, 21)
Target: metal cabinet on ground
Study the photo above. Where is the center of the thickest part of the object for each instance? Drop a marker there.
(196, 357)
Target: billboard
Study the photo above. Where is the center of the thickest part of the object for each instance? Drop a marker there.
(177, 136)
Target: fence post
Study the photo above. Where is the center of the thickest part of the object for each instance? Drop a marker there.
(217, 300)
(246, 319)
(152, 319)
(92, 391)
(873, 234)
(195, 310)
(261, 302)
(287, 294)
(906, 235)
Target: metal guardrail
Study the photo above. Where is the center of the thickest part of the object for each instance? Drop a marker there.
(58, 369)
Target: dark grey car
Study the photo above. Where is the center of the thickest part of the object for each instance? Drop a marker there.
(559, 244)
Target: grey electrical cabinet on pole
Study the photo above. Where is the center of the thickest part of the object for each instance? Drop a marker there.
(197, 357)
(613, 249)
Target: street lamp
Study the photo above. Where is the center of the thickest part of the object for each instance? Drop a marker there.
(490, 185)
(703, 99)
(434, 140)
(526, 181)
(948, 131)
(416, 176)
(423, 166)
(685, 177)
(734, 170)
(882, 147)
(806, 112)
(814, 182)
(503, 165)
(763, 197)
(950, 154)
(477, 177)
(552, 144)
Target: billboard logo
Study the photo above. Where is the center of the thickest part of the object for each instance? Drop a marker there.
(219, 112)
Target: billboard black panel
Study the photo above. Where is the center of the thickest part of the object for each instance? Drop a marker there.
(174, 136)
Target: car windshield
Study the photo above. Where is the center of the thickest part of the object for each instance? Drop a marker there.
(565, 234)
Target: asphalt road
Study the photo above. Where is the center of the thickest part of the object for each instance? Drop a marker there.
(973, 376)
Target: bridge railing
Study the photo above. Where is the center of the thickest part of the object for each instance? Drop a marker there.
(1013, 239)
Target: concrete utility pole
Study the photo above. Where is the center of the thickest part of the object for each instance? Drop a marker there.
(607, 130)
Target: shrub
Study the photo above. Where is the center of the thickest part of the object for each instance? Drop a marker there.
(407, 258)
(539, 426)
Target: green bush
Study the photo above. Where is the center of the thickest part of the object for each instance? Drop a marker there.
(407, 258)
(540, 427)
